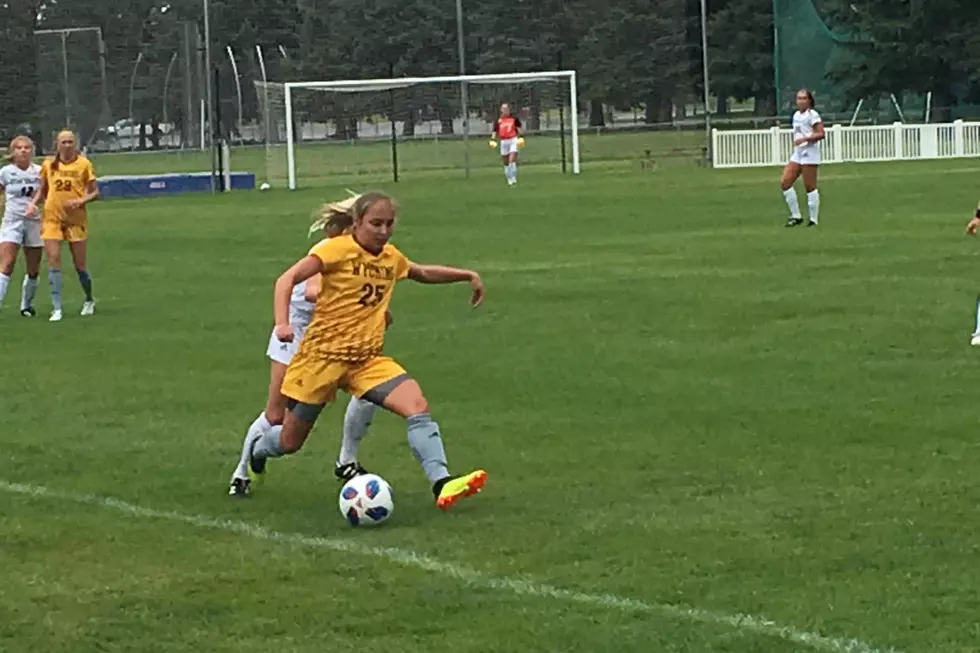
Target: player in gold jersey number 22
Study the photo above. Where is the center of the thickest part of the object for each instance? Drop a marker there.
(342, 346)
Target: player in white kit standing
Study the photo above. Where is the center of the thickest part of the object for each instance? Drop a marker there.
(972, 228)
(359, 412)
(808, 131)
(21, 225)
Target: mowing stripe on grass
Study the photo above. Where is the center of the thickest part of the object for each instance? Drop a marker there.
(745, 623)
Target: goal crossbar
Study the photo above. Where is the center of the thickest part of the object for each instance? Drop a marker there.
(386, 84)
(383, 84)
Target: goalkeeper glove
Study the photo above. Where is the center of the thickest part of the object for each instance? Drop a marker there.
(520, 142)
(493, 145)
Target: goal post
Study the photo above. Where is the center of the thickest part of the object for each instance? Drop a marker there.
(367, 126)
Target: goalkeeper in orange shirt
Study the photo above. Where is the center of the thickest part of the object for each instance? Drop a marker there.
(507, 129)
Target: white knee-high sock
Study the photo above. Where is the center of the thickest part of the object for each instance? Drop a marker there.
(813, 204)
(357, 420)
(259, 427)
(793, 202)
(976, 331)
(4, 283)
(513, 171)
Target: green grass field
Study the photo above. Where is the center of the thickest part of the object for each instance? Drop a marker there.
(704, 432)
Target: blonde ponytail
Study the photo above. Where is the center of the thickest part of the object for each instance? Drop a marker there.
(336, 218)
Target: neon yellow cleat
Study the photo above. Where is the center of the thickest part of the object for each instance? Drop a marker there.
(460, 487)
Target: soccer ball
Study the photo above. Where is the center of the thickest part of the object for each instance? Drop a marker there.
(366, 500)
(265, 186)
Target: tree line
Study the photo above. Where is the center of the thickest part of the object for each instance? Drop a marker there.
(641, 55)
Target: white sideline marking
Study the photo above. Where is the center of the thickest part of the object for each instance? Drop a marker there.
(739, 622)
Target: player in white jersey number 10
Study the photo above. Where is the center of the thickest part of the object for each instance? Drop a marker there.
(803, 162)
(20, 180)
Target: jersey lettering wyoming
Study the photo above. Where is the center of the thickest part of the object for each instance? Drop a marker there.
(349, 320)
(372, 271)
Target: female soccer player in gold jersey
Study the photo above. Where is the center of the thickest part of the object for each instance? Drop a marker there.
(342, 346)
(68, 184)
(331, 222)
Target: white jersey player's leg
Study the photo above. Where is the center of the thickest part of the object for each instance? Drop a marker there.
(975, 338)
(33, 250)
(11, 237)
(790, 174)
(810, 162)
(279, 353)
(357, 419)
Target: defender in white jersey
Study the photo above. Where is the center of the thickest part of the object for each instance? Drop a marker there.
(972, 228)
(359, 412)
(808, 131)
(21, 225)
(300, 314)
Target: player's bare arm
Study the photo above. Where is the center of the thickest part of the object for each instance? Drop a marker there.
(38, 197)
(818, 135)
(300, 272)
(437, 274)
(311, 291)
(91, 194)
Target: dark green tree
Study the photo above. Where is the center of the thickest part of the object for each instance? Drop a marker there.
(18, 76)
(641, 57)
(915, 46)
(740, 48)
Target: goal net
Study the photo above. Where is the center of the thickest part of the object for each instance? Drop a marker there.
(318, 133)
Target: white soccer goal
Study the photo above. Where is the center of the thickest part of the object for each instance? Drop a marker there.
(315, 132)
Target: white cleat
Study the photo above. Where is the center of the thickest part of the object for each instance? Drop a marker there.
(55, 316)
(975, 340)
(88, 308)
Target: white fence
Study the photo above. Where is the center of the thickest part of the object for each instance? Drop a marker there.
(898, 142)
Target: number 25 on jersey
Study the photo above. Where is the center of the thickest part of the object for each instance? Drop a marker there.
(372, 295)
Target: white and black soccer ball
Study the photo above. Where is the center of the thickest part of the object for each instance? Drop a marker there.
(265, 187)
(366, 500)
